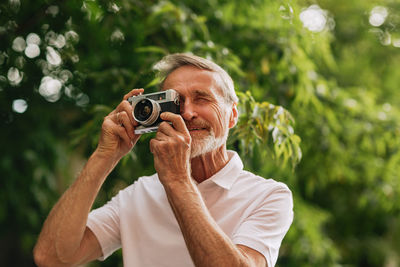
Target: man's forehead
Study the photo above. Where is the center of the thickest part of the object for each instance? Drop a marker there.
(182, 73)
(195, 79)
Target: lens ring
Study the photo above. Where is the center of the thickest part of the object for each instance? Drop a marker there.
(146, 111)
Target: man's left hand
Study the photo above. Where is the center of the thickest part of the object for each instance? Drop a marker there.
(171, 149)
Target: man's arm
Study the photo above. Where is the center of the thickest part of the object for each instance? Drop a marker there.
(208, 245)
(65, 240)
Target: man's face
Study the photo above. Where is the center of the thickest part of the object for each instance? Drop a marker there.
(207, 115)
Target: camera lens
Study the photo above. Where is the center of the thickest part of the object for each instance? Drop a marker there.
(143, 110)
(146, 111)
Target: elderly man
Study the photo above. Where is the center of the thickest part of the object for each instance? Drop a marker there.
(200, 208)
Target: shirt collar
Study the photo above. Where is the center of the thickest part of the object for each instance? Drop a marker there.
(229, 173)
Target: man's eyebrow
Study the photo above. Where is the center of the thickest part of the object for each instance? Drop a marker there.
(197, 92)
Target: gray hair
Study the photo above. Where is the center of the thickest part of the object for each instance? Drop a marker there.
(171, 62)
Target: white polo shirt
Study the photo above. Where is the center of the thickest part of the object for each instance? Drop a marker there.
(251, 210)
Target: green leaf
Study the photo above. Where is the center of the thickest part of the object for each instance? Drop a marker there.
(93, 10)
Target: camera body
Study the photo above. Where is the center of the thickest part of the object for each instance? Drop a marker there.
(148, 107)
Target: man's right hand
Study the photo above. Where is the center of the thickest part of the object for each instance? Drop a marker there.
(65, 240)
(117, 132)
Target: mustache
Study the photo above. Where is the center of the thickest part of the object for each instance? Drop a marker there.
(197, 124)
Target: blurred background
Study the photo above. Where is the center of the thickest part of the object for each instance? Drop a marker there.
(319, 102)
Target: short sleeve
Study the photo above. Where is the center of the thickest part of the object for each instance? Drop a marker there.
(264, 229)
(104, 223)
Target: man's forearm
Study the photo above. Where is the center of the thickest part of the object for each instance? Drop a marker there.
(208, 245)
(64, 228)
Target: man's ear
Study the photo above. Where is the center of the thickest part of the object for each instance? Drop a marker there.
(234, 116)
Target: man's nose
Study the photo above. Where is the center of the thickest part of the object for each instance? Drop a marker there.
(188, 111)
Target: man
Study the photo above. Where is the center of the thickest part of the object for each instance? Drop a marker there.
(200, 208)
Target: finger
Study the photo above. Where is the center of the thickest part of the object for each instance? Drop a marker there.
(123, 119)
(122, 134)
(114, 124)
(116, 130)
(133, 92)
(160, 136)
(166, 129)
(126, 107)
(153, 145)
(177, 121)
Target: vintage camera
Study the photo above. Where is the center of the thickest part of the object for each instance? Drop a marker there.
(147, 109)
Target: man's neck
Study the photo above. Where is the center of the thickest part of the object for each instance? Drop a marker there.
(206, 165)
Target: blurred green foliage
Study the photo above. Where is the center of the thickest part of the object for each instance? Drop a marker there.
(323, 72)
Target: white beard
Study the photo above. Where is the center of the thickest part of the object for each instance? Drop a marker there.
(207, 144)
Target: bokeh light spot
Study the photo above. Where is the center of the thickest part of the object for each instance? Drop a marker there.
(33, 38)
(14, 4)
(113, 7)
(72, 36)
(32, 50)
(14, 75)
(19, 105)
(286, 11)
(53, 10)
(19, 44)
(50, 89)
(58, 41)
(65, 75)
(378, 16)
(82, 100)
(117, 36)
(314, 18)
(52, 56)
(396, 42)
(3, 57)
